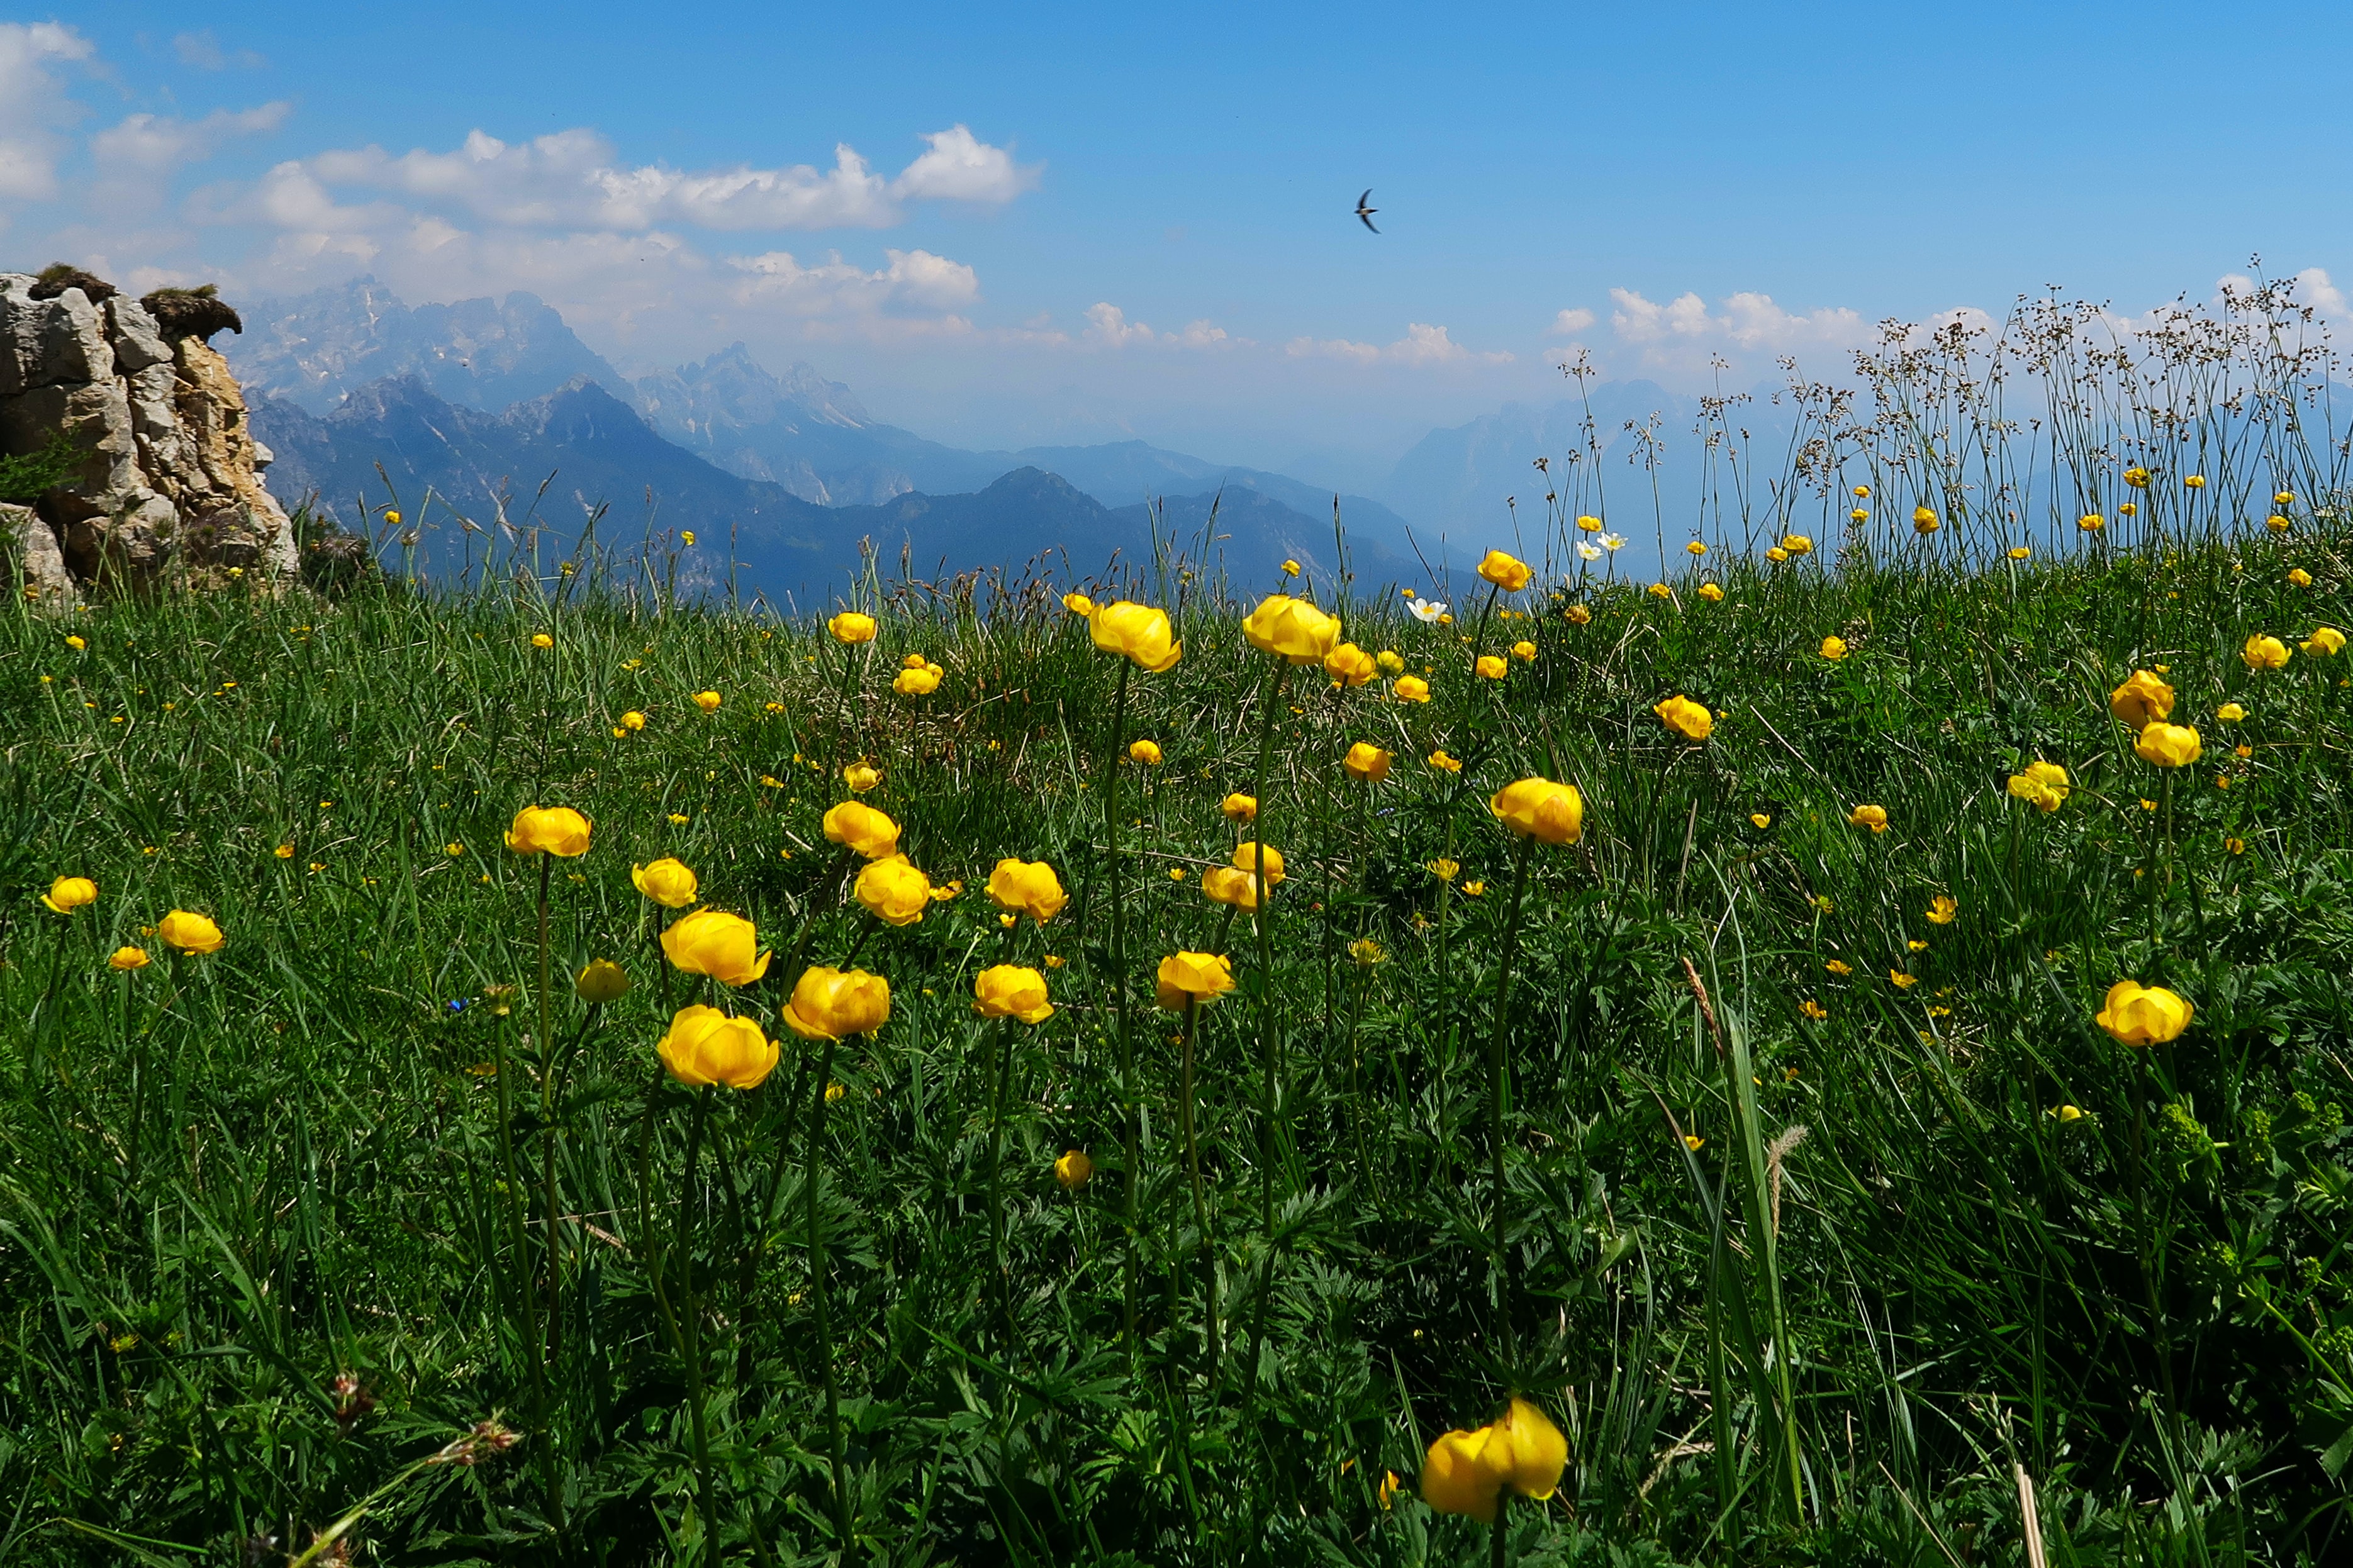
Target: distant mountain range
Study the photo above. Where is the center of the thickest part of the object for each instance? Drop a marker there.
(486, 399)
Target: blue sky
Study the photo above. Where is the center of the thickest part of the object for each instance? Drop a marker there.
(1791, 173)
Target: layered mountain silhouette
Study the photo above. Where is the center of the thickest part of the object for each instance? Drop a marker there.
(549, 462)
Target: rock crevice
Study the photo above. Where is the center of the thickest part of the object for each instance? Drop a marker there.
(170, 477)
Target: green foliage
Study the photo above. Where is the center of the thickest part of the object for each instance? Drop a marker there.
(27, 478)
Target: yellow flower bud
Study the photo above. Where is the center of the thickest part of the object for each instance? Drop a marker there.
(667, 882)
(555, 831)
(849, 628)
(127, 959)
(1011, 990)
(189, 932)
(710, 941)
(1026, 886)
(893, 891)
(1141, 636)
(1192, 976)
(1366, 762)
(601, 980)
(1686, 717)
(68, 894)
(1074, 1170)
(1506, 572)
(828, 1003)
(704, 1045)
(863, 829)
(1539, 808)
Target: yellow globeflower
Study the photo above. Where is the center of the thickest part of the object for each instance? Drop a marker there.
(1366, 762)
(710, 941)
(1074, 1170)
(1192, 977)
(2262, 652)
(556, 830)
(2277, 524)
(68, 894)
(1027, 888)
(633, 721)
(541, 640)
(667, 882)
(707, 700)
(1686, 717)
(1246, 859)
(2140, 1015)
(2137, 477)
(863, 828)
(703, 1045)
(1776, 555)
(1871, 816)
(1506, 572)
(1539, 808)
(828, 1003)
(1943, 909)
(1695, 547)
(1578, 616)
(1491, 668)
(893, 891)
(2092, 522)
(1467, 1472)
(1410, 688)
(1834, 647)
(2044, 785)
(2143, 699)
(1292, 628)
(2284, 497)
(851, 628)
(1797, 544)
(1290, 568)
(1078, 604)
(1146, 752)
(1589, 524)
(1713, 593)
(189, 932)
(2299, 577)
(1011, 990)
(2229, 713)
(1229, 885)
(1523, 651)
(860, 777)
(1923, 520)
(1440, 760)
(127, 959)
(2167, 745)
(2020, 551)
(1390, 662)
(601, 980)
(917, 682)
(2324, 642)
(1140, 635)
(1239, 808)
(1350, 665)
(2195, 481)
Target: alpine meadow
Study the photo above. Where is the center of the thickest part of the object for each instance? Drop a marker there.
(1839, 1053)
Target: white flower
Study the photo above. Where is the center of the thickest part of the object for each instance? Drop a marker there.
(1589, 551)
(1426, 610)
(1613, 542)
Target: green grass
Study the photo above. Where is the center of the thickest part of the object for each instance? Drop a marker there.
(231, 1181)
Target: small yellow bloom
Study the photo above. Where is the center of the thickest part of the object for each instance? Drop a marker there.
(893, 891)
(189, 932)
(601, 980)
(1442, 869)
(828, 1003)
(2284, 497)
(2143, 699)
(1834, 647)
(1858, 515)
(849, 628)
(391, 518)
(1475, 890)
(1838, 966)
(1710, 592)
(1011, 991)
(68, 894)
(667, 882)
(1686, 717)
(1759, 821)
(720, 945)
(2195, 481)
(1506, 572)
(1902, 981)
(686, 537)
(1797, 544)
(555, 831)
(2229, 713)
(860, 777)
(1492, 667)
(1661, 591)
(1813, 1009)
(1027, 888)
(1589, 524)
(2277, 524)
(1350, 665)
(1694, 1141)
(1368, 953)
(707, 700)
(1074, 1170)
(1923, 520)
(1445, 764)
(1695, 547)
(863, 829)
(2128, 509)
(127, 959)
(2020, 551)
(2044, 785)
(1186, 977)
(2137, 477)
(1294, 630)
(1863, 492)
(1366, 762)
(2092, 522)
(1290, 568)
(2167, 745)
(2262, 652)
(633, 721)
(1389, 661)
(1578, 616)
(1078, 604)
(1539, 808)
(1916, 945)
(704, 1047)
(1146, 752)
(2235, 846)
(1523, 651)
(2137, 1015)
(917, 682)
(1871, 816)
(541, 640)
(2326, 642)
(1410, 688)
(1239, 808)
(1942, 909)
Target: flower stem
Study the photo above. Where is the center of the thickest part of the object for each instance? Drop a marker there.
(692, 1309)
(1499, 1072)
(547, 1118)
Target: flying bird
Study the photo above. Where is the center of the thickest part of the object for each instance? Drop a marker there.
(1364, 213)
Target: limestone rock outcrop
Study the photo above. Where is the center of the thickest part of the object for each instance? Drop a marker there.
(171, 482)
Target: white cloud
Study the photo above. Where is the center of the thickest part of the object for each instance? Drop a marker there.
(1108, 327)
(1423, 345)
(1683, 330)
(34, 105)
(914, 280)
(203, 51)
(573, 179)
(1568, 323)
(137, 158)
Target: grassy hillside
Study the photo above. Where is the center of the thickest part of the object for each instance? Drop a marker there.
(1830, 1218)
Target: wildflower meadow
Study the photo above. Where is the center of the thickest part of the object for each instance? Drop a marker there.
(1837, 1051)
